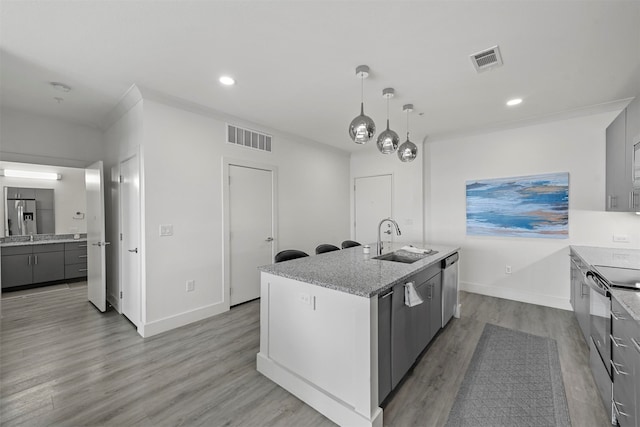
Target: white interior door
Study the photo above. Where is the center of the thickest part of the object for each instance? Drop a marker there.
(130, 250)
(250, 228)
(373, 195)
(96, 245)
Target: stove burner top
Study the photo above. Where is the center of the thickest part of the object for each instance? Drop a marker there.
(620, 277)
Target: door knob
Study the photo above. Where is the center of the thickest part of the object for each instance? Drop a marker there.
(269, 239)
(134, 250)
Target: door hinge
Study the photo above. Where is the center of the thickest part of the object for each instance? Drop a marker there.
(120, 294)
(229, 179)
(120, 179)
(120, 236)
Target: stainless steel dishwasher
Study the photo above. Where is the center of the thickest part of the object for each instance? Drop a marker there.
(449, 288)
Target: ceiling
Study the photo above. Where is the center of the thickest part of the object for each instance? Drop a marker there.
(295, 61)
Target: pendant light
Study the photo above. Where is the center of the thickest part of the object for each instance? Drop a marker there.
(362, 128)
(388, 140)
(408, 151)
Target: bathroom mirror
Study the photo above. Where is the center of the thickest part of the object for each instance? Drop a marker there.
(28, 211)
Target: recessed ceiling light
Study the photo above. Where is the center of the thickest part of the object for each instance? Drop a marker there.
(227, 81)
(514, 101)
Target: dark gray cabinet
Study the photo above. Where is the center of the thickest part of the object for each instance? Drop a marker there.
(412, 328)
(625, 365)
(622, 133)
(21, 193)
(41, 263)
(75, 260)
(384, 345)
(48, 263)
(16, 266)
(580, 299)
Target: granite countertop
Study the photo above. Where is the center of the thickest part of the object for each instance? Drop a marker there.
(354, 272)
(614, 257)
(43, 239)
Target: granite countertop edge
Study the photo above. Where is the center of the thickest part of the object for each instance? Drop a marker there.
(615, 257)
(397, 271)
(40, 242)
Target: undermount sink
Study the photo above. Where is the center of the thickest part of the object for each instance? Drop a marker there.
(405, 257)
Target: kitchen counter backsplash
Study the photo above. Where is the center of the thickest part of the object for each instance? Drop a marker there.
(41, 238)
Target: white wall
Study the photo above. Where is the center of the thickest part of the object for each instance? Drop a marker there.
(540, 266)
(407, 203)
(30, 138)
(69, 194)
(183, 152)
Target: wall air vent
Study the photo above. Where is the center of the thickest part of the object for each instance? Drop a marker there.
(248, 138)
(487, 59)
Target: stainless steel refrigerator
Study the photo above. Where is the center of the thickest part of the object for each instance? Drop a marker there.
(21, 217)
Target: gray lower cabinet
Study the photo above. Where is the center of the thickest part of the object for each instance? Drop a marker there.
(41, 263)
(16, 267)
(412, 328)
(75, 260)
(580, 299)
(384, 345)
(48, 263)
(625, 365)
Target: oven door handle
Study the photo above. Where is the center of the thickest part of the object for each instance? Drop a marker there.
(593, 285)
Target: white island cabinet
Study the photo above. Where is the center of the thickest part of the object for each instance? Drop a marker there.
(319, 329)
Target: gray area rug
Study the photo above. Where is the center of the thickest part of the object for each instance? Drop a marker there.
(513, 379)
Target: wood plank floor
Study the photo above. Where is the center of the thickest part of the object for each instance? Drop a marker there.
(62, 363)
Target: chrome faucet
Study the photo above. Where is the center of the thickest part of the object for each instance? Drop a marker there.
(398, 233)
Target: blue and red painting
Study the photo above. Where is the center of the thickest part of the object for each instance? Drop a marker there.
(525, 206)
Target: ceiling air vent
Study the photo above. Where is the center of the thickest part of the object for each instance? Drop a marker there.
(248, 138)
(487, 59)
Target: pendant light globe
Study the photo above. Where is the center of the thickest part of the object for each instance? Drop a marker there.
(362, 128)
(408, 151)
(388, 140)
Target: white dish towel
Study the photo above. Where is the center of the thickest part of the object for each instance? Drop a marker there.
(411, 296)
(415, 250)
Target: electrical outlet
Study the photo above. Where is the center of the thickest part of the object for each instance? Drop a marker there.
(621, 238)
(507, 269)
(191, 285)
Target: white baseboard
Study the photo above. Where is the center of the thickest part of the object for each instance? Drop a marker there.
(168, 323)
(332, 408)
(516, 295)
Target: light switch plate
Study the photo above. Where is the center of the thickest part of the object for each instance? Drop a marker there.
(166, 229)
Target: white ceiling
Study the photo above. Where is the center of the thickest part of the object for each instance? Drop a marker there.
(295, 61)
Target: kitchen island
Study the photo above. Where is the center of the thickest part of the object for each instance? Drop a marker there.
(319, 327)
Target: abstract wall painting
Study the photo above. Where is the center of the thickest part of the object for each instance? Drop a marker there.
(525, 206)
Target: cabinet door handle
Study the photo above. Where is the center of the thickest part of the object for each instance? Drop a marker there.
(617, 316)
(29, 260)
(618, 411)
(616, 369)
(614, 340)
(82, 256)
(82, 269)
(36, 257)
(82, 246)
